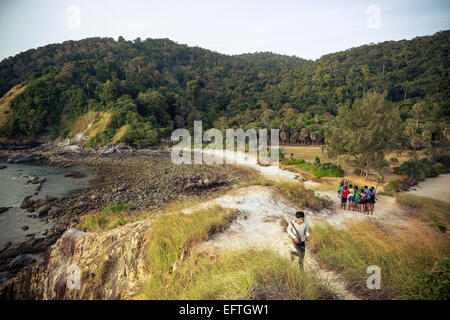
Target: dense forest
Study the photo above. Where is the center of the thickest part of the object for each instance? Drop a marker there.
(156, 85)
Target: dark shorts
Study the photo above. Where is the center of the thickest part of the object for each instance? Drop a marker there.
(343, 200)
(300, 247)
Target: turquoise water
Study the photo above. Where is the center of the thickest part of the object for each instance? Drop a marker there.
(14, 188)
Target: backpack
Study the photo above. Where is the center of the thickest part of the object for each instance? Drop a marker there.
(372, 196)
(362, 196)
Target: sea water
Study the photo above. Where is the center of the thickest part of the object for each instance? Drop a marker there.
(14, 188)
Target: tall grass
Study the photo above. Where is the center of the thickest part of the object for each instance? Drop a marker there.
(292, 190)
(181, 270)
(408, 260)
(302, 197)
(172, 235)
(426, 209)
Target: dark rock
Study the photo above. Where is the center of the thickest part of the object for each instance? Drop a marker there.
(8, 244)
(42, 211)
(24, 228)
(74, 174)
(3, 209)
(19, 145)
(33, 180)
(108, 151)
(36, 245)
(6, 276)
(25, 158)
(26, 202)
(54, 211)
(119, 189)
(3, 167)
(21, 261)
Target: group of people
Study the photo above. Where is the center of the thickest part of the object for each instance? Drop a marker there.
(357, 200)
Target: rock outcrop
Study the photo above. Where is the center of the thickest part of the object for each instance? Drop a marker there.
(109, 265)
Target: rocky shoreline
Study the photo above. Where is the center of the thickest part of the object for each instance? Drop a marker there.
(144, 179)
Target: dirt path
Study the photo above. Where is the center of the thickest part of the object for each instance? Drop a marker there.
(258, 225)
(387, 212)
(261, 209)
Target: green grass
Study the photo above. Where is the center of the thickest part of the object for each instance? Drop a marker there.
(319, 170)
(113, 216)
(412, 263)
(292, 162)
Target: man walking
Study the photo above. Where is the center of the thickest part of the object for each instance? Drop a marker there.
(298, 230)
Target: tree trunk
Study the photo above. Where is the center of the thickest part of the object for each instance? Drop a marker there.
(367, 169)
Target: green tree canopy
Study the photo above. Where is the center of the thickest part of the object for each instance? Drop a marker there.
(365, 131)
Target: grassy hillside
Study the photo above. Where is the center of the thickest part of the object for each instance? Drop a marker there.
(5, 102)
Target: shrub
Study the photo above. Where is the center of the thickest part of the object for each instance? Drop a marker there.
(439, 225)
(117, 207)
(316, 161)
(141, 135)
(327, 170)
(444, 159)
(101, 138)
(113, 216)
(419, 169)
(318, 169)
(292, 162)
(393, 160)
(280, 153)
(393, 187)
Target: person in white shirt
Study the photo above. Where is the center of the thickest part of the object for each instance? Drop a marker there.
(298, 230)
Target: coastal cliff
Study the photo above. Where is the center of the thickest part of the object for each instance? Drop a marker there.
(112, 265)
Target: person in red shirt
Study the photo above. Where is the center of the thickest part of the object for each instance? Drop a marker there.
(345, 193)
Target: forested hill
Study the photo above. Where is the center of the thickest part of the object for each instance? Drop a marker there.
(148, 88)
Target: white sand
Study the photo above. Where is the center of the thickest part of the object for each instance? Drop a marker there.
(436, 188)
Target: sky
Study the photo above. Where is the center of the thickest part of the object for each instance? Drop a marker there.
(304, 28)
